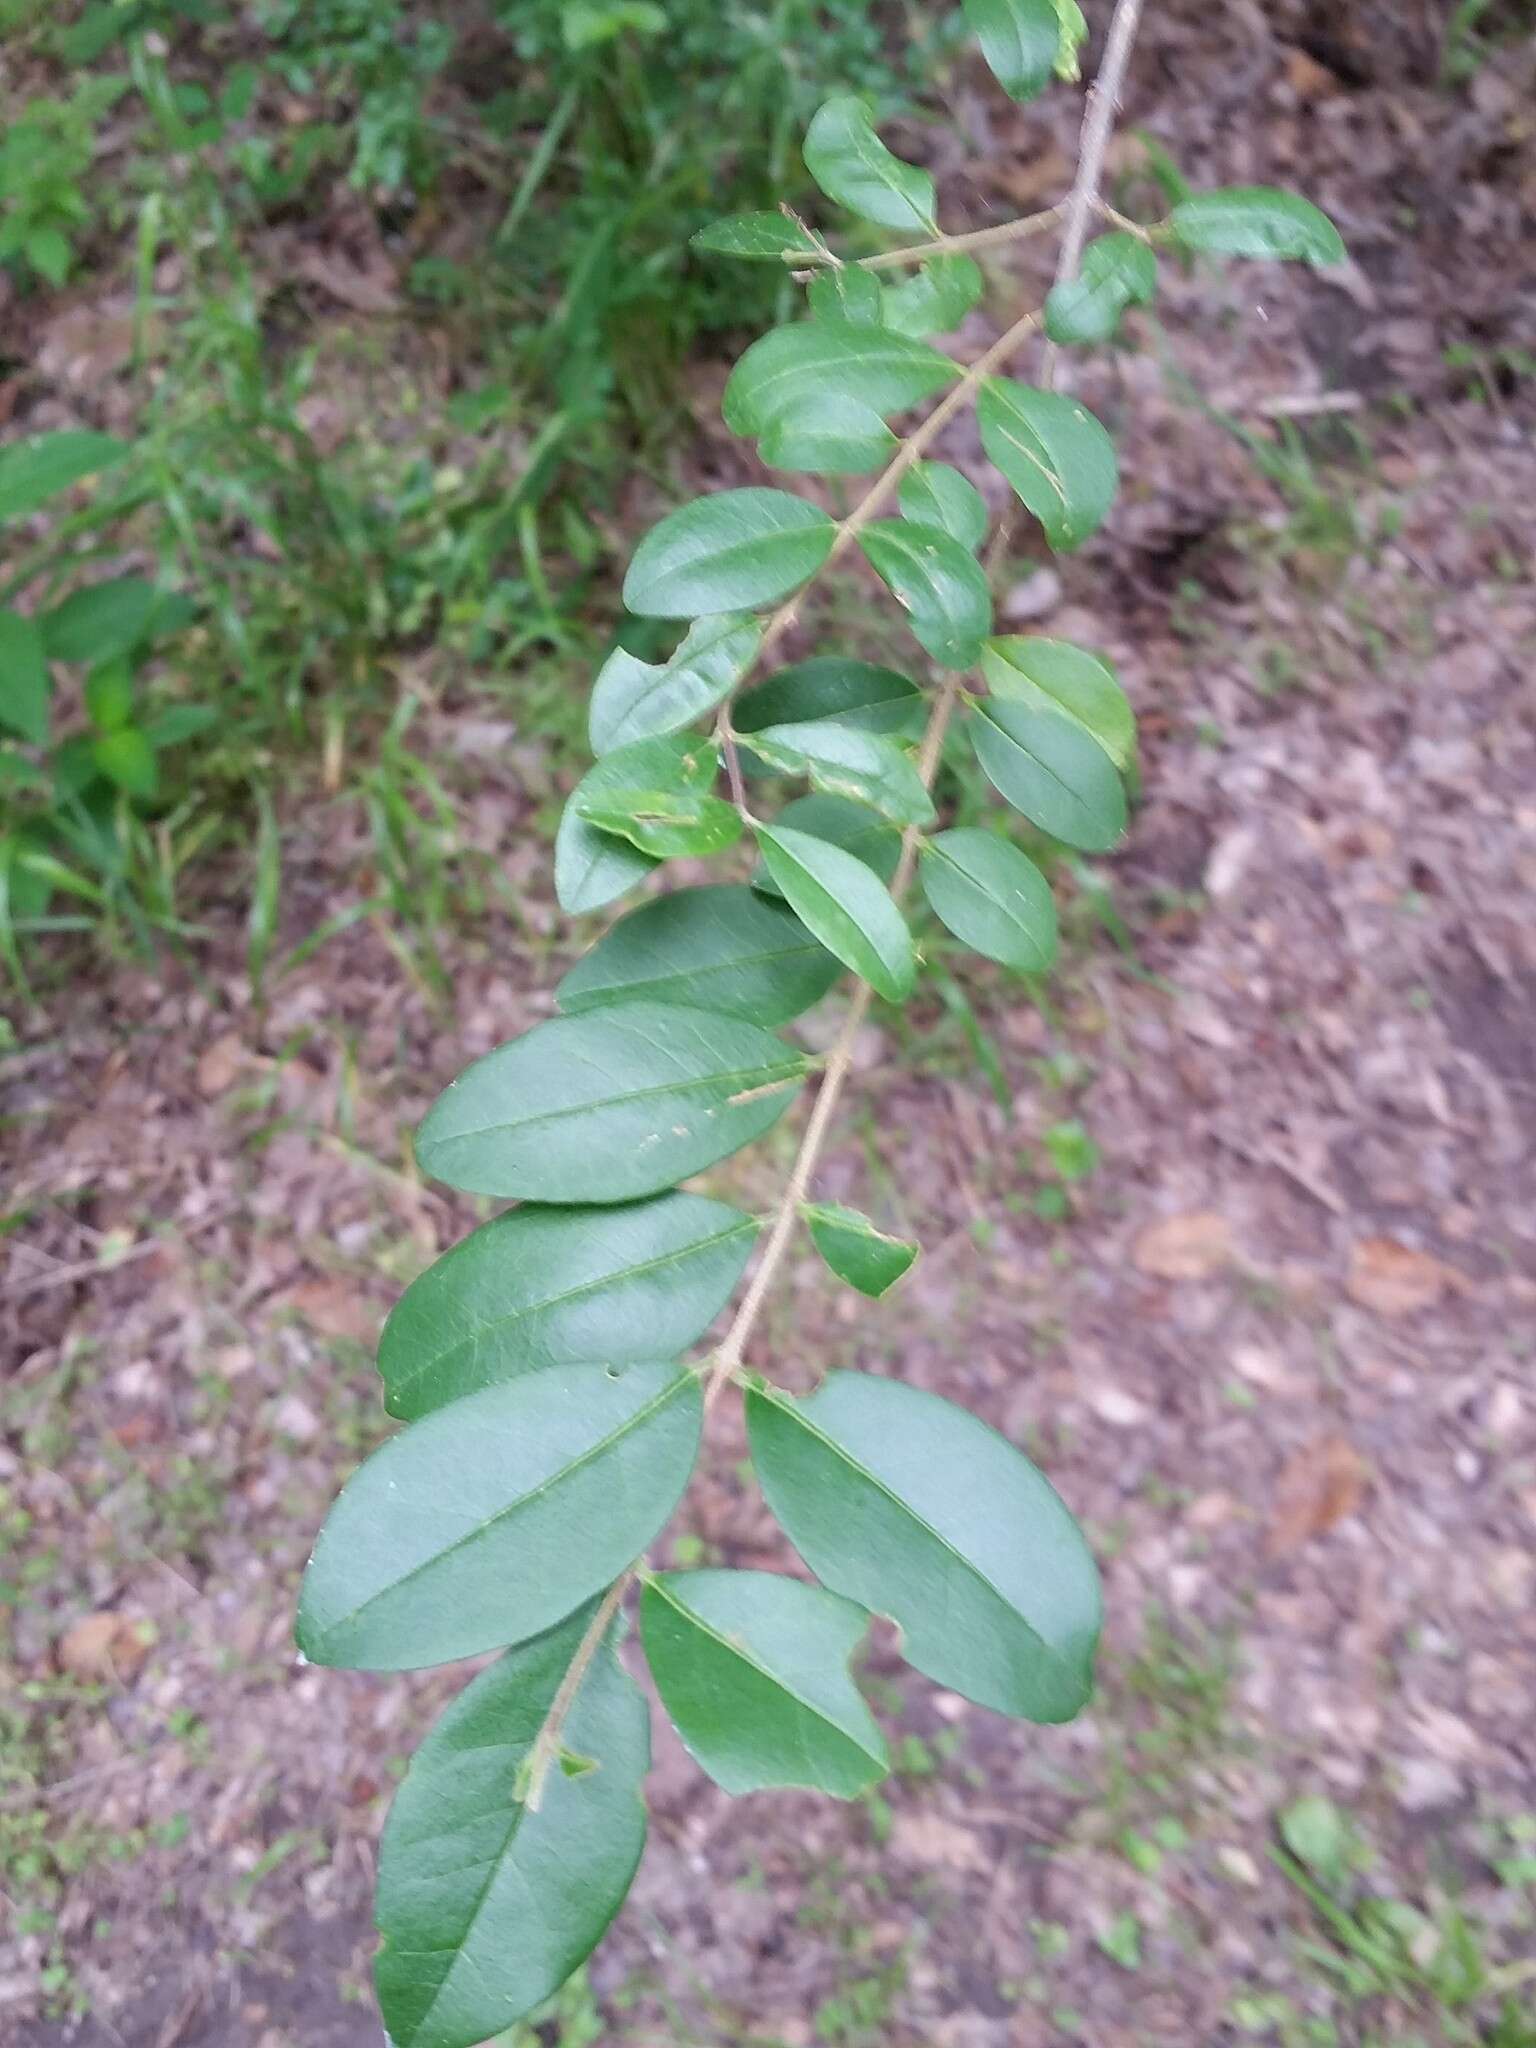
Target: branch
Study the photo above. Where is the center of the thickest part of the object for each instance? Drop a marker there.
(546, 1744)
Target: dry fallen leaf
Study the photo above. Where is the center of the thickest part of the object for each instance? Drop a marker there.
(106, 1646)
(1322, 1483)
(932, 1841)
(1394, 1279)
(336, 1310)
(220, 1064)
(1184, 1247)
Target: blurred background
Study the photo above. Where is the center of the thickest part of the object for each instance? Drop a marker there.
(389, 311)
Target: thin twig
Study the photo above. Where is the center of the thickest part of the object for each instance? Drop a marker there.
(546, 1744)
(942, 245)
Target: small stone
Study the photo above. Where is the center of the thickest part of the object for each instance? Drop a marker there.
(1118, 1408)
(295, 1418)
(1238, 1865)
(1423, 1784)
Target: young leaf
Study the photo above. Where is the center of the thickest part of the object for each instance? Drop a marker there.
(1054, 453)
(486, 1904)
(933, 494)
(592, 866)
(935, 298)
(853, 827)
(828, 379)
(849, 294)
(491, 1519)
(918, 1510)
(727, 553)
(34, 471)
(102, 621)
(1054, 675)
(843, 760)
(1052, 771)
(608, 1105)
(854, 168)
(109, 696)
(845, 905)
(540, 1287)
(991, 897)
(1117, 271)
(760, 237)
(636, 700)
(664, 822)
(1256, 220)
(753, 1669)
(827, 433)
(832, 686)
(939, 585)
(865, 1257)
(1019, 40)
(718, 948)
(23, 679)
(127, 760)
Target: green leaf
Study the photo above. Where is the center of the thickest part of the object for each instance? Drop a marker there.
(827, 433)
(608, 1105)
(34, 471)
(727, 553)
(1052, 771)
(1256, 220)
(593, 866)
(760, 237)
(846, 905)
(832, 686)
(636, 700)
(1055, 454)
(539, 1287)
(854, 168)
(933, 494)
(848, 294)
(102, 621)
(485, 1903)
(491, 1519)
(718, 948)
(753, 1669)
(939, 585)
(24, 686)
(127, 760)
(828, 381)
(991, 897)
(1019, 40)
(664, 822)
(918, 1510)
(1074, 33)
(109, 695)
(936, 298)
(1117, 271)
(844, 760)
(49, 254)
(585, 24)
(866, 1258)
(1054, 675)
(853, 827)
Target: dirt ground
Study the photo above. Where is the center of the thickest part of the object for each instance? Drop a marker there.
(1276, 1353)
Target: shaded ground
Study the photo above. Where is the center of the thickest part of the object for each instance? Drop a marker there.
(1276, 1352)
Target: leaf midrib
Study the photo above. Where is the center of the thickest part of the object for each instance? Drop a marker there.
(760, 1077)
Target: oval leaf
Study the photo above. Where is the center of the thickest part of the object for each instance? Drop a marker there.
(845, 761)
(593, 866)
(849, 294)
(491, 1519)
(939, 585)
(828, 379)
(991, 897)
(1055, 675)
(1018, 39)
(727, 553)
(760, 237)
(540, 1287)
(1117, 271)
(918, 1510)
(853, 827)
(846, 905)
(856, 1252)
(1054, 453)
(101, 621)
(933, 494)
(852, 166)
(718, 948)
(636, 700)
(935, 298)
(609, 1105)
(827, 434)
(24, 688)
(486, 1904)
(831, 686)
(753, 1669)
(1256, 220)
(34, 471)
(1051, 770)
